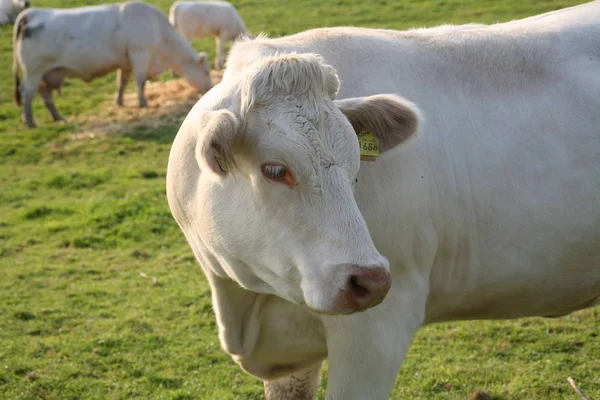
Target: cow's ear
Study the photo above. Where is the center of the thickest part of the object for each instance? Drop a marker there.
(391, 118)
(218, 134)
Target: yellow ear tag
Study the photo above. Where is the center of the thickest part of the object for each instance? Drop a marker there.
(221, 162)
(369, 146)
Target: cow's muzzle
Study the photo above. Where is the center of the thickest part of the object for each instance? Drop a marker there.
(364, 288)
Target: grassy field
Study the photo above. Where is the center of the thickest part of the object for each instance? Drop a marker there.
(100, 297)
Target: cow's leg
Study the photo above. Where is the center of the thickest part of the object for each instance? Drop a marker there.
(29, 87)
(302, 385)
(46, 93)
(140, 62)
(220, 59)
(365, 350)
(122, 79)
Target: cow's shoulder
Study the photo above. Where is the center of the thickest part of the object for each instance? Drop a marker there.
(136, 8)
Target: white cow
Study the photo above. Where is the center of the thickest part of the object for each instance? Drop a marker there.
(9, 9)
(492, 211)
(89, 42)
(201, 19)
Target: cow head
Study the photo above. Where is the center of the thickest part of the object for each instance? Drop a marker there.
(197, 73)
(261, 180)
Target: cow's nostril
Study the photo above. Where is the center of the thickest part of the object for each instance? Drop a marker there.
(357, 290)
(367, 287)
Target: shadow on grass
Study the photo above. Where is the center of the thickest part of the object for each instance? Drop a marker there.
(168, 104)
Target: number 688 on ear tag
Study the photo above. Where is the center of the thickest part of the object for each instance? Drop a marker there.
(369, 146)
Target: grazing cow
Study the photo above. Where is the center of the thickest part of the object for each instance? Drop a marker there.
(89, 42)
(491, 211)
(203, 19)
(9, 9)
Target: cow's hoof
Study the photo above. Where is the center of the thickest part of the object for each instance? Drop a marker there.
(480, 395)
(29, 124)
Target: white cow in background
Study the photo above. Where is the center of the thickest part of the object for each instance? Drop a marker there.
(88, 42)
(492, 211)
(201, 19)
(9, 9)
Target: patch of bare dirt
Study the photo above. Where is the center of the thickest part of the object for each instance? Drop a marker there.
(168, 103)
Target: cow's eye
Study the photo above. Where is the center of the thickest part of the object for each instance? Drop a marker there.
(278, 173)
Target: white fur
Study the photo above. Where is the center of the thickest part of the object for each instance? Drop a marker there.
(87, 42)
(201, 19)
(9, 9)
(491, 212)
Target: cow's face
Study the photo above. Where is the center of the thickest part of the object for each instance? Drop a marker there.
(198, 73)
(268, 200)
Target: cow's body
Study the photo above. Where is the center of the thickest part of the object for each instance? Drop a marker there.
(201, 19)
(492, 212)
(89, 42)
(9, 9)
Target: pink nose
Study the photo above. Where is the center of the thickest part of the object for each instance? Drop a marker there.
(364, 289)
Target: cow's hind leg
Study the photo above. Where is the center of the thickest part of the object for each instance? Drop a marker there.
(302, 385)
(122, 79)
(29, 87)
(140, 62)
(46, 94)
(51, 81)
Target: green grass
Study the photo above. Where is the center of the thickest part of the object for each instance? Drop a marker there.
(100, 297)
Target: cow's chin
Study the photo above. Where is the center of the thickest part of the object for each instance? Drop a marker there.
(345, 304)
(333, 312)
(341, 311)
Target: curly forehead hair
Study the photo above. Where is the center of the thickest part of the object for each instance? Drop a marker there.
(288, 75)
